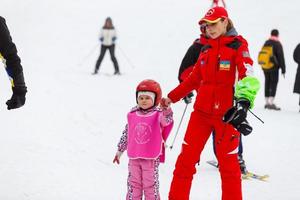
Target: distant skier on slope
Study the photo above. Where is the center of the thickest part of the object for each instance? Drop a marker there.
(274, 49)
(13, 67)
(108, 38)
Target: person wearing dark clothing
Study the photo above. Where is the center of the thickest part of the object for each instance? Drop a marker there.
(272, 74)
(187, 64)
(13, 67)
(186, 67)
(108, 37)
(296, 56)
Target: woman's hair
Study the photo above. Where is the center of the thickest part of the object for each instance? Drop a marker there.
(229, 25)
(108, 23)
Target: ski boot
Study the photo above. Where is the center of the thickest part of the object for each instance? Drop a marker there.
(242, 165)
(272, 107)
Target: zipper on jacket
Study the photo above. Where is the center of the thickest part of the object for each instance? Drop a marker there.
(216, 104)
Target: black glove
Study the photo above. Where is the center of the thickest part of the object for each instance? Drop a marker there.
(188, 98)
(238, 113)
(18, 98)
(244, 128)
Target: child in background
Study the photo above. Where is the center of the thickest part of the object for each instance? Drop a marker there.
(147, 129)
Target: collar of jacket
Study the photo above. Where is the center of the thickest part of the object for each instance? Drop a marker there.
(137, 108)
(275, 38)
(222, 40)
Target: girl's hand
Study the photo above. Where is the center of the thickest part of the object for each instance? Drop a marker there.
(165, 103)
(116, 159)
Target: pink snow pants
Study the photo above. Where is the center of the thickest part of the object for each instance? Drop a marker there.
(143, 178)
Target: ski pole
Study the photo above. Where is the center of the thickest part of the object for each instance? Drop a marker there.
(88, 55)
(256, 117)
(179, 126)
(126, 57)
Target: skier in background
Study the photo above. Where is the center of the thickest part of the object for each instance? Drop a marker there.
(144, 137)
(215, 3)
(272, 74)
(186, 67)
(13, 67)
(108, 37)
(223, 59)
(296, 56)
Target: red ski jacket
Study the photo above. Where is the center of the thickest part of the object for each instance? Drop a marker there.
(221, 62)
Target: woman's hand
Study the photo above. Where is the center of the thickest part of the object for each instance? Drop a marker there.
(165, 103)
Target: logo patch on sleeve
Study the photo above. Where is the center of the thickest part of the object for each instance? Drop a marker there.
(224, 65)
(246, 54)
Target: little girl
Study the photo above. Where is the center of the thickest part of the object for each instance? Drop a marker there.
(147, 129)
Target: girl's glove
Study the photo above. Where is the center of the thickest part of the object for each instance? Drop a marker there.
(117, 157)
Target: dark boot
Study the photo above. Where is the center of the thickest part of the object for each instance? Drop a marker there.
(274, 107)
(95, 72)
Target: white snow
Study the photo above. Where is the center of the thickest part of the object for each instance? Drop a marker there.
(60, 145)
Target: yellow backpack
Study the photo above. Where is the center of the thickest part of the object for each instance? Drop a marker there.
(265, 57)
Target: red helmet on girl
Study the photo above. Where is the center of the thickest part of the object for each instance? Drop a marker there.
(151, 86)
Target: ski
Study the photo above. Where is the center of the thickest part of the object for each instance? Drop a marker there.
(255, 176)
(213, 163)
(246, 176)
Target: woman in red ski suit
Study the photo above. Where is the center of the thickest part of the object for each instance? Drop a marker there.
(223, 59)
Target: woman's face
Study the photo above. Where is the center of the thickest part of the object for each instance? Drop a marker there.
(217, 29)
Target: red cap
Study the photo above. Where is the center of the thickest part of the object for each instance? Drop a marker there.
(213, 15)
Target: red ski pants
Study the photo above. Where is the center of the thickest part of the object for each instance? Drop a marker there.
(227, 140)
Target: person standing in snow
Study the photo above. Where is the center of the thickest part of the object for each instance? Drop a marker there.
(186, 67)
(221, 105)
(272, 74)
(296, 56)
(108, 37)
(13, 67)
(144, 137)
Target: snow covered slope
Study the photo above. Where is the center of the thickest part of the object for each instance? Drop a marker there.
(61, 144)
